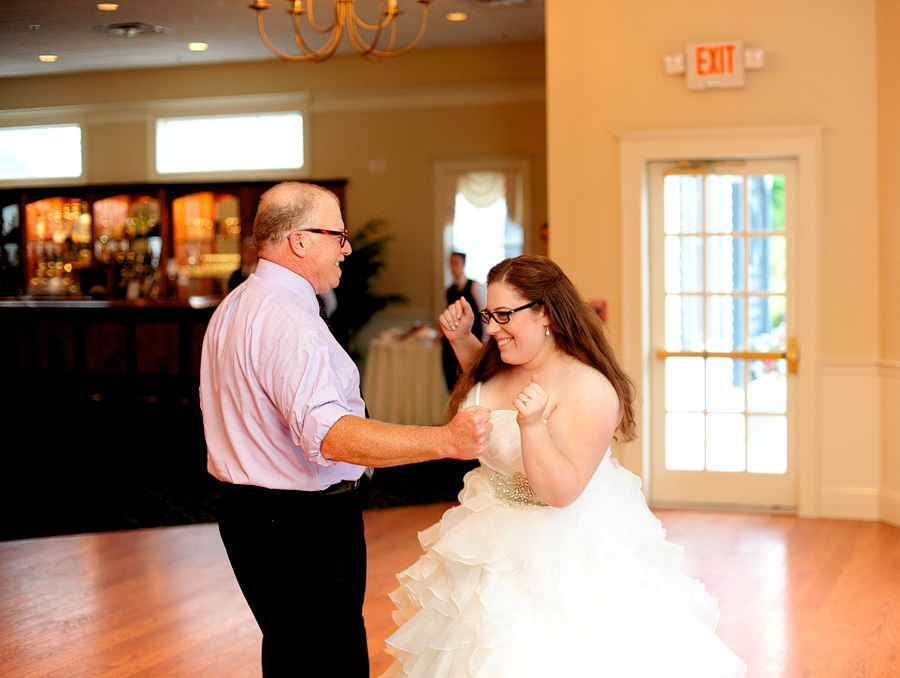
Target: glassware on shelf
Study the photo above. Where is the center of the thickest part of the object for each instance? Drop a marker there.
(129, 245)
(207, 235)
(58, 235)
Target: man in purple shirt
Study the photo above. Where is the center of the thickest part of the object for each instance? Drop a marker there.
(287, 435)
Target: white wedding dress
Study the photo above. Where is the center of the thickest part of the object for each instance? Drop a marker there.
(511, 588)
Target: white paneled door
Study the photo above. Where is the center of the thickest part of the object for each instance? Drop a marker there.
(723, 282)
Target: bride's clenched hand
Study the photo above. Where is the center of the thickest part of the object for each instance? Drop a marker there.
(530, 403)
(457, 319)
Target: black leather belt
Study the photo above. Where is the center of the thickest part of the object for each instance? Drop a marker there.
(341, 487)
(266, 494)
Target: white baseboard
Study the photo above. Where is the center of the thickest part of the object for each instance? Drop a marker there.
(851, 503)
(890, 507)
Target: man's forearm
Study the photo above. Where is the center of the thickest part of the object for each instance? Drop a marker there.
(373, 443)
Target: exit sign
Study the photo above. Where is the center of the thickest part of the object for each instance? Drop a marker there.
(715, 65)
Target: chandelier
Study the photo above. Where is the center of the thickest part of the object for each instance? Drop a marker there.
(345, 18)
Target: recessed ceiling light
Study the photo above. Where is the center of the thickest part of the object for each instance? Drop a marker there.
(198, 46)
(457, 16)
(48, 58)
(107, 7)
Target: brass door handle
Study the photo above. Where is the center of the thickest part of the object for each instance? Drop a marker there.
(793, 355)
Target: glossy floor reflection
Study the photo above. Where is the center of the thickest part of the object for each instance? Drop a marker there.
(799, 598)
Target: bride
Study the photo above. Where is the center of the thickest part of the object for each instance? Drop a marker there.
(552, 564)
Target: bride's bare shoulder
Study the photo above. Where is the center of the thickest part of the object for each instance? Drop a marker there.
(584, 382)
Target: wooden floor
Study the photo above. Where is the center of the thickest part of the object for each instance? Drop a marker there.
(798, 598)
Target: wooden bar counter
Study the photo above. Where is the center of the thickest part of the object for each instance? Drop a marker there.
(114, 347)
(100, 414)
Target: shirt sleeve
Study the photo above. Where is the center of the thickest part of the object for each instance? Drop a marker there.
(315, 386)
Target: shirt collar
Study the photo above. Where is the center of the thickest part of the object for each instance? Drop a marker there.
(297, 284)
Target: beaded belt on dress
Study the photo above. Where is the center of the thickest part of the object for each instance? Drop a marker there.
(514, 489)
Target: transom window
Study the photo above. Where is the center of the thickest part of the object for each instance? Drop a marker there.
(230, 143)
(40, 152)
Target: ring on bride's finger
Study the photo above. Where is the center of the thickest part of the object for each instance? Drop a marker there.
(525, 399)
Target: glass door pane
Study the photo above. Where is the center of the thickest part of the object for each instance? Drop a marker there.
(711, 256)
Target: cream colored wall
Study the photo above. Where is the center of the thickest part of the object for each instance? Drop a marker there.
(888, 23)
(409, 141)
(402, 113)
(820, 68)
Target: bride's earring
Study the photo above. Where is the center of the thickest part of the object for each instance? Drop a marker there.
(547, 330)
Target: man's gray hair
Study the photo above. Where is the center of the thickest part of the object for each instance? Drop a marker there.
(286, 207)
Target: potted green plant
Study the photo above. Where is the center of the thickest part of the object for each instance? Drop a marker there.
(356, 302)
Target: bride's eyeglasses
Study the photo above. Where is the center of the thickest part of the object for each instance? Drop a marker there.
(502, 317)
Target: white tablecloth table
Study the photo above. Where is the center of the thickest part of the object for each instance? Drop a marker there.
(403, 381)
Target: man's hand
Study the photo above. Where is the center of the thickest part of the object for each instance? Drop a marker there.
(468, 433)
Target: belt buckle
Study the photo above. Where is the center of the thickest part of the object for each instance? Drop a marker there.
(343, 486)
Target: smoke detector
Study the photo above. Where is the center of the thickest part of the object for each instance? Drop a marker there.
(133, 29)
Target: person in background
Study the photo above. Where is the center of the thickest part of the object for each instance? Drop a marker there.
(552, 564)
(287, 437)
(473, 292)
(248, 264)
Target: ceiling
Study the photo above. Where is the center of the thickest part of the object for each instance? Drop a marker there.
(69, 29)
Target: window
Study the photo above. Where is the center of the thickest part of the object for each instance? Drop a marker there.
(230, 143)
(482, 212)
(482, 227)
(40, 152)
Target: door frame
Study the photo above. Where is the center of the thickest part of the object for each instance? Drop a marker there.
(800, 142)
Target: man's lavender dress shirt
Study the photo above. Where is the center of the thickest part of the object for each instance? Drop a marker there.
(273, 380)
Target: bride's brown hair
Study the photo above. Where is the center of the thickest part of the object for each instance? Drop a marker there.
(574, 326)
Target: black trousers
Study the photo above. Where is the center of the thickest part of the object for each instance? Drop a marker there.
(300, 560)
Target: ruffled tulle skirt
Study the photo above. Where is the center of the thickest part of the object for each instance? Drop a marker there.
(593, 589)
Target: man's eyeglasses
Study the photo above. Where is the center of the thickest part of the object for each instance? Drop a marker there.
(502, 317)
(344, 235)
